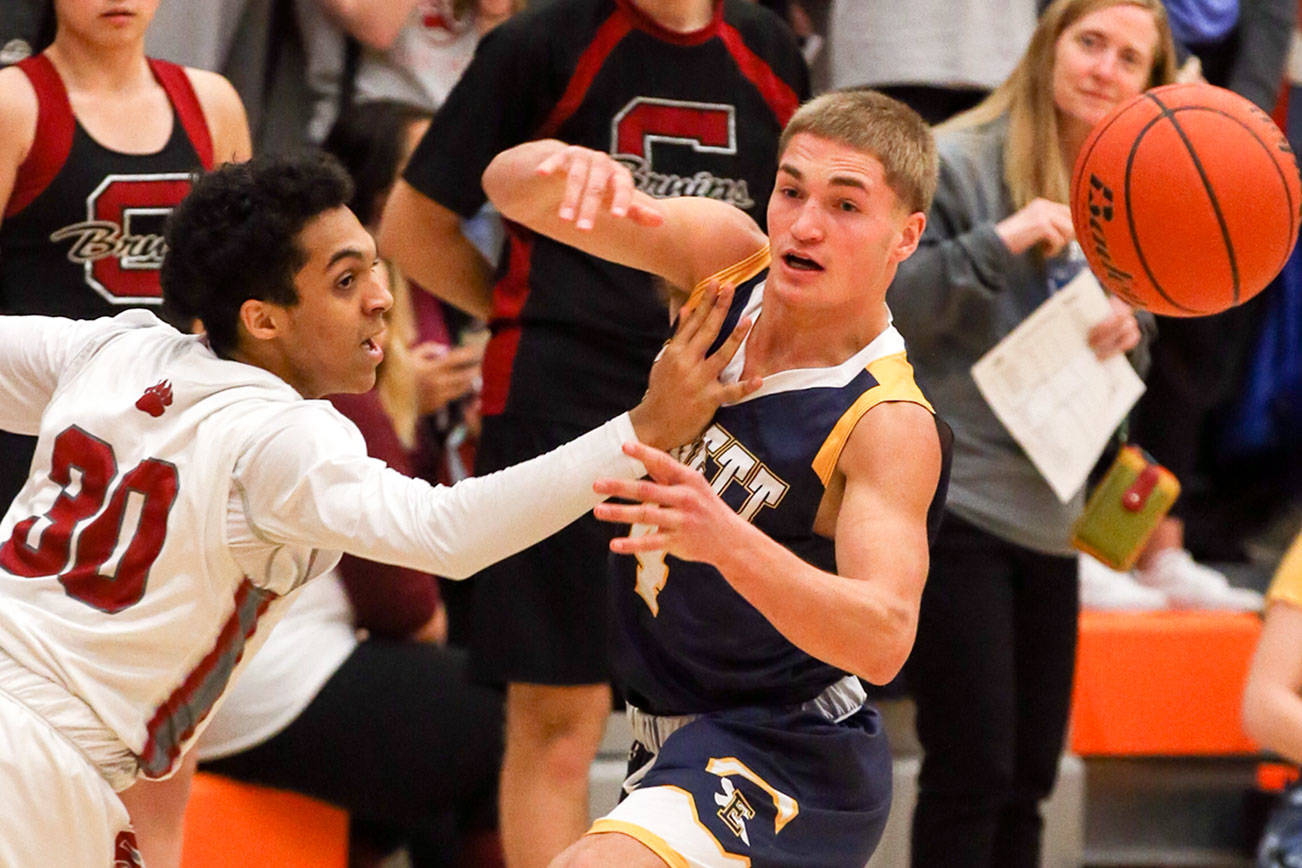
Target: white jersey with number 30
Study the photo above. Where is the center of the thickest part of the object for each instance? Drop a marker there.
(175, 495)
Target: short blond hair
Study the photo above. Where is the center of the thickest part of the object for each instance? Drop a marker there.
(872, 122)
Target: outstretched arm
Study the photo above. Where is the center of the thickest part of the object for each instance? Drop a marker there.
(35, 351)
(586, 199)
(862, 618)
(300, 485)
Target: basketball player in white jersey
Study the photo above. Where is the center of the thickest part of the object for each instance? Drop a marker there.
(182, 486)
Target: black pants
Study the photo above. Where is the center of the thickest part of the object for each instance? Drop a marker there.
(935, 104)
(16, 451)
(401, 740)
(991, 673)
(1197, 374)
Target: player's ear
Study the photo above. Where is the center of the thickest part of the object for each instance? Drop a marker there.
(260, 319)
(910, 235)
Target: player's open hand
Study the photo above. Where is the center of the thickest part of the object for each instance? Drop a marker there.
(684, 388)
(1118, 333)
(594, 179)
(685, 517)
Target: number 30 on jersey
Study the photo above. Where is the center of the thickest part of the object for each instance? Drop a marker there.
(104, 530)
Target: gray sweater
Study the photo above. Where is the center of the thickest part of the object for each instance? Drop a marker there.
(954, 299)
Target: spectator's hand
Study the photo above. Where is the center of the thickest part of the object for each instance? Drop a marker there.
(684, 388)
(1041, 222)
(1119, 333)
(443, 375)
(675, 511)
(592, 177)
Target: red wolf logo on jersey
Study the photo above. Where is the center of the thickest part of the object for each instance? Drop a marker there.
(156, 399)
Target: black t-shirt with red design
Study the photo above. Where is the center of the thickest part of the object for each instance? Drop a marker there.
(690, 114)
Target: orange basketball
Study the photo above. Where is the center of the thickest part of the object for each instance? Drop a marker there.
(1186, 200)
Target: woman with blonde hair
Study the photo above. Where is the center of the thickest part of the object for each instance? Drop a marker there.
(992, 668)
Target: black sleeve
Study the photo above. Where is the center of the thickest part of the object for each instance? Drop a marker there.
(772, 39)
(500, 101)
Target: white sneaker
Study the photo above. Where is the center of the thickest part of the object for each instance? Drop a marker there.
(1104, 588)
(1191, 585)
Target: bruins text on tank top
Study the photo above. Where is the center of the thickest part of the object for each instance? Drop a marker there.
(83, 230)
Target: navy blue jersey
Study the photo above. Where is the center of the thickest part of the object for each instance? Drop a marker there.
(690, 114)
(83, 228)
(686, 641)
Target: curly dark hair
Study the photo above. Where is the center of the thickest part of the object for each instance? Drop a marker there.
(235, 237)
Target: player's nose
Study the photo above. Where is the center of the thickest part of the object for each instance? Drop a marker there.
(377, 298)
(1106, 64)
(809, 220)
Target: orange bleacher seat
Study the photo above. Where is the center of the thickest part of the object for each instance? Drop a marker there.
(1161, 683)
(232, 823)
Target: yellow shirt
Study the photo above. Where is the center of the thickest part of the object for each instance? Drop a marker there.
(1287, 584)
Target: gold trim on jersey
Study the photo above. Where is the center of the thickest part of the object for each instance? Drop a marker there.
(894, 376)
(649, 839)
(735, 274)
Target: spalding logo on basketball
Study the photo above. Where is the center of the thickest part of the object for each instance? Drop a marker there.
(1186, 200)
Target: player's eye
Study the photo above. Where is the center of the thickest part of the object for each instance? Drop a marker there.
(847, 205)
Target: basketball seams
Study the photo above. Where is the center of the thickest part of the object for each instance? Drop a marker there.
(1095, 137)
(1140, 161)
(1130, 215)
(1207, 187)
(1270, 153)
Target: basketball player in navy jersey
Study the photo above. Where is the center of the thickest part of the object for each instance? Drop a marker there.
(784, 553)
(97, 143)
(690, 95)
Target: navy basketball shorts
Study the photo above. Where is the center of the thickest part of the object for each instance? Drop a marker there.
(539, 616)
(782, 788)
